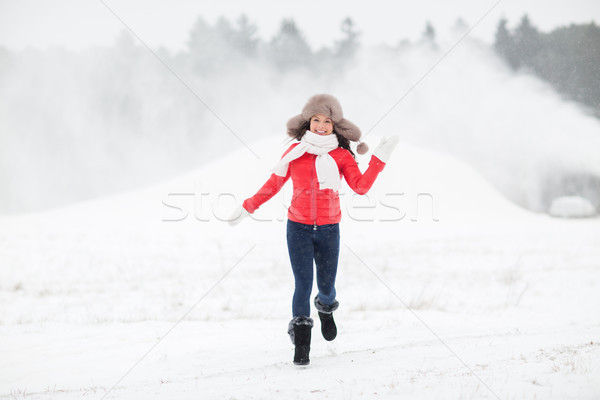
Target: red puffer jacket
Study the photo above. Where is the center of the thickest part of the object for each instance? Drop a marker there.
(310, 205)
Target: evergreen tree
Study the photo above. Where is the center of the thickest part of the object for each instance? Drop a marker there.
(289, 49)
(244, 37)
(527, 43)
(429, 33)
(460, 26)
(570, 60)
(345, 49)
(223, 46)
(504, 44)
(205, 47)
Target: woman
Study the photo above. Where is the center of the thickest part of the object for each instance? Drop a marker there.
(316, 163)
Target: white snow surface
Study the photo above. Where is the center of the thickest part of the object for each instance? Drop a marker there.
(446, 290)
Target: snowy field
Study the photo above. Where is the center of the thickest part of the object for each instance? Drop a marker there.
(446, 290)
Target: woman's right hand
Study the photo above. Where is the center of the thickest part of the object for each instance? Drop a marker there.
(238, 214)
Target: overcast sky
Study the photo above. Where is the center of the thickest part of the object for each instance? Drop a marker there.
(75, 24)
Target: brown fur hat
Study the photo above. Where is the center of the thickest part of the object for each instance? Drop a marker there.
(327, 105)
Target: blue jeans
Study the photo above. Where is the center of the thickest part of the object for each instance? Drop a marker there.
(306, 244)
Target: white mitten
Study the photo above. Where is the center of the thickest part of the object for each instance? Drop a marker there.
(237, 215)
(384, 149)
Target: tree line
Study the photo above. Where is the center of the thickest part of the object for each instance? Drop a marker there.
(567, 57)
(226, 44)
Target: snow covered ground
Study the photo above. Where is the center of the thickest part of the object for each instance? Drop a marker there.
(446, 290)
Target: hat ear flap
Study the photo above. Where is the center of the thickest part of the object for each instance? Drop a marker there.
(295, 126)
(348, 130)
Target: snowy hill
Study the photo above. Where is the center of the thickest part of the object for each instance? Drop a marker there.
(473, 297)
(531, 144)
(418, 190)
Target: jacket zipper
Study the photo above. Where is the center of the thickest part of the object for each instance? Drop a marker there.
(313, 195)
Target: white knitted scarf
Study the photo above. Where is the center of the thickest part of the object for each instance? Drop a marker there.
(328, 174)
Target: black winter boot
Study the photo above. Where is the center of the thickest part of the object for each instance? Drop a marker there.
(328, 328)
(299, 331)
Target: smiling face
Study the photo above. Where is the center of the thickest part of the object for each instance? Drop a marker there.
(321, 124)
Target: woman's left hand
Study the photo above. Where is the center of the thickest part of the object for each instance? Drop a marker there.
(384, 149)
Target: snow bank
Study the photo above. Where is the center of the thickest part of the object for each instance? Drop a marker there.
(472, 296)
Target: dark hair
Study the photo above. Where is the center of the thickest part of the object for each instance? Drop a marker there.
(344, 143)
